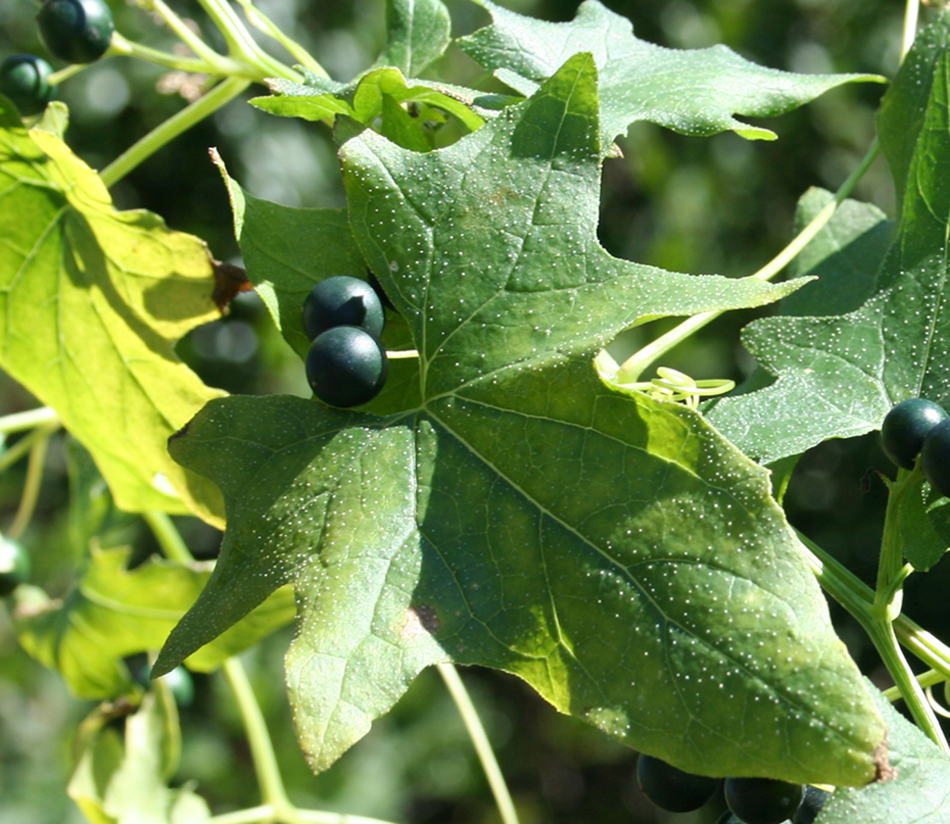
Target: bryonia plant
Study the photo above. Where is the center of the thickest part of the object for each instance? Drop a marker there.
(513, 497)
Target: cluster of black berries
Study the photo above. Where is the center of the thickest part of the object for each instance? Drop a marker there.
(343, 318)
(919, 427)
(77, 31)
(750, 800)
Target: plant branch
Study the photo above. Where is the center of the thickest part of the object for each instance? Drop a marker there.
(31, 488)
(168, 536)
(171, 128)
(480, 740)
(262, 749)
(637, 363)
(19, 421)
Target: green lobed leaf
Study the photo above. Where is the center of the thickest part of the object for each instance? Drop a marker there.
(614, 552)
(91, 303)
(114, 612)
(695, 92)
(116, 782)
(418, 33)
(838, 376)
(917, 792)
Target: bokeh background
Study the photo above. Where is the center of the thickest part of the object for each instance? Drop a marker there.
(720, 205)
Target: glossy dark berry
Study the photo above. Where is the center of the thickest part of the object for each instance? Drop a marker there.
(24, 78)
(342, 301)
(763, 800)
(906, 426)
(812, 804)
(77, 31)
(346, 366)
(672, 789)
(14, 565)
(728, 817)
(935, 457)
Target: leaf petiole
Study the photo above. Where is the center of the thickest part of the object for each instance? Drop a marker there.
(171, 128)
(496, 781)
(631, 370)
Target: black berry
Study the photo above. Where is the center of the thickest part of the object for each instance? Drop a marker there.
(342, 301)
(346, 366)
(24, 78)
(77, 31)
(906, 426)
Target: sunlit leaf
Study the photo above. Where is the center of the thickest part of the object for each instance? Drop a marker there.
(91, 303)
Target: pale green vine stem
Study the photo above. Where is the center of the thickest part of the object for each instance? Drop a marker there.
(634, 366)
(181, 29)
(890, 572)
(885, 642)
(168, 536)
(860, 601)
(171, 128)
(31, 488)
(240, 42)
(119, 46)
(262, 749)
(911, 11)
(496, 781)
(20, 421)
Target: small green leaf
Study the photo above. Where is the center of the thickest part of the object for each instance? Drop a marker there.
(838, 376)
(693, 92)
(116, 783)
(419, 31)
(114, 612)
(366, 102)
(91, 303)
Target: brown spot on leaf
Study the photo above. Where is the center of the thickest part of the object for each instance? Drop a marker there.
(420, 620)
(885, 772)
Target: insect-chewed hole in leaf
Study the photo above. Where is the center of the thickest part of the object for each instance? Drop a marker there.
(420, 620)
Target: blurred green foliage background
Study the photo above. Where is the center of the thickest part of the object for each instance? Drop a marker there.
(720, 205)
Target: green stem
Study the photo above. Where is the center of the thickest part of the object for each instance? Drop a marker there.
(930, 678)
(19, 421)
(241, 44)
(860, 601)
(885, 641)
(911, 11)
(168, 536)
(215, 65)
(64, 74)
(262, 749)
(171, 128)
(634, 366)
(483, 748)
(889, 571)
(31, 488)
(181, 30)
